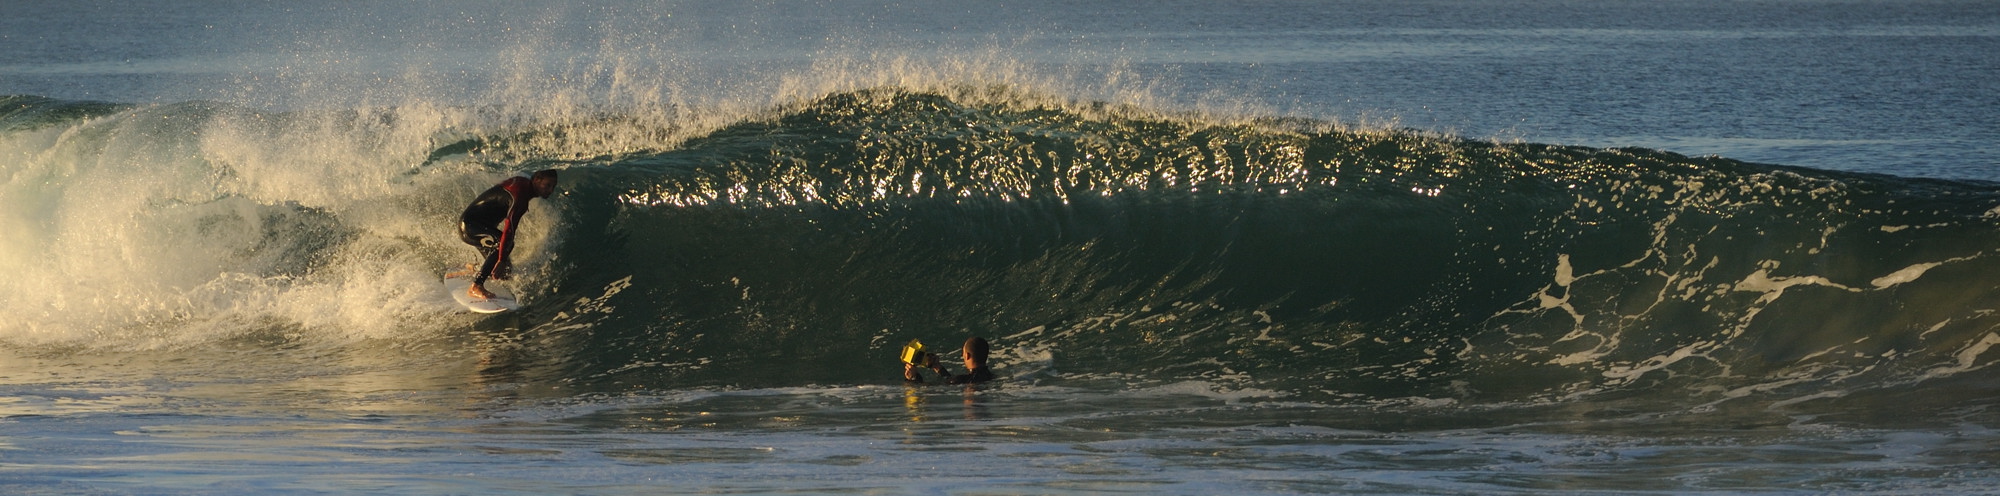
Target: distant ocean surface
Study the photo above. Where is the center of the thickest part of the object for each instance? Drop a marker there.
(1455, 247)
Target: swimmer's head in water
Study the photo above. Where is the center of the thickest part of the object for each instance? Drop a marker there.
(975, 352)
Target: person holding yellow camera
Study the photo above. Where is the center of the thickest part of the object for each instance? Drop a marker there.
(974, 353)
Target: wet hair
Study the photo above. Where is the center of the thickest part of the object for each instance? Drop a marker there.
(976, 346)
(545, 182)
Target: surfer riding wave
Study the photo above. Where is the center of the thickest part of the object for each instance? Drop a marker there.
(490, 224)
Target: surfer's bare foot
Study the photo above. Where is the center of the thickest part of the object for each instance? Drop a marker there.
(469, 269)
(478, 293)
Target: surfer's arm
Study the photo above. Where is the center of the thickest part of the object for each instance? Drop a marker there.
(910, 373)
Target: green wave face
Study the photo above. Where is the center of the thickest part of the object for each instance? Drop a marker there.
(1291, 256)
(1090, 243)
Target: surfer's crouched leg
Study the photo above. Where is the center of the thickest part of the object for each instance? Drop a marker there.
(487, 240)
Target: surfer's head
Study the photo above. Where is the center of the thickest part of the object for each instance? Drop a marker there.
(975, 353)
(545, 183)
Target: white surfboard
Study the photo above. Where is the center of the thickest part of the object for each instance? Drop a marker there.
(501, 301)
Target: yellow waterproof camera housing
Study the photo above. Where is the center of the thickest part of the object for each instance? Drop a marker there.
(913, 354)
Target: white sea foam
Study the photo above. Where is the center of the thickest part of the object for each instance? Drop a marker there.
(164, 225)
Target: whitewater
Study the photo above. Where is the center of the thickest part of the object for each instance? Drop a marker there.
(1489, 247)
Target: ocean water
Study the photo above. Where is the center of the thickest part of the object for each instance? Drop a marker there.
(1369, 247)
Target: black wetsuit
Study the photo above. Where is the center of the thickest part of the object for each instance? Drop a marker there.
(490, 221)
(974, 376)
